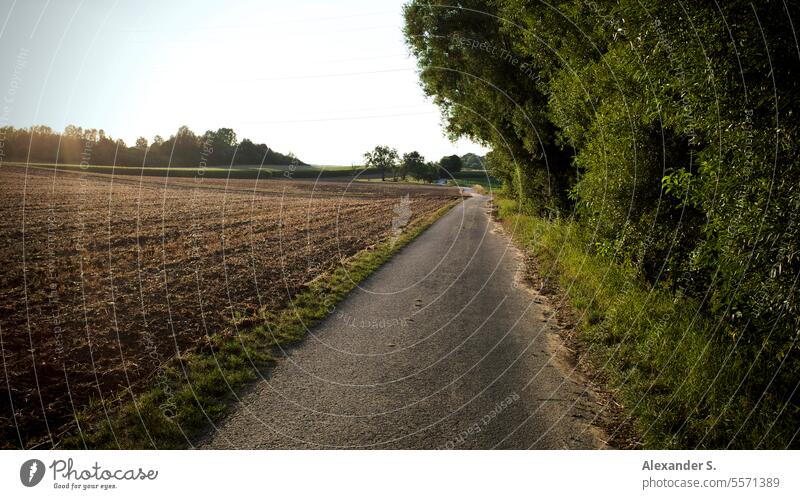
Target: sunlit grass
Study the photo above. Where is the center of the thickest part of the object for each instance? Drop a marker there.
(673, 371)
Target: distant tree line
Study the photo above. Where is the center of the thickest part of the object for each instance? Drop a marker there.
(387, 161)
(668, 130)
(76, 145)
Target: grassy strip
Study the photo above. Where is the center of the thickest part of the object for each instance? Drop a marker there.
(190, 391)
(235, 172)
(491, 185)
(677, 375)
(468, 178)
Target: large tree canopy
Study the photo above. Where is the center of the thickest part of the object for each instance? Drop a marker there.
(668, 130)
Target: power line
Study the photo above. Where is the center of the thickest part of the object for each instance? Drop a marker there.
(261, 25)
(341, 119)
(330, 75)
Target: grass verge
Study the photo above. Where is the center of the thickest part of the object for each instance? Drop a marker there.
(196, 388)
(677, 375)
(233, 172)
(471, 178)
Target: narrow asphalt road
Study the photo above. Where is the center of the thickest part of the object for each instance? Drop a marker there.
(437, 349)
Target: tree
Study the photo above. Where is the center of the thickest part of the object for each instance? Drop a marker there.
(473, 161)
(430, 172)
(382, 157)
(182, 149)
(249, 153)
(450, 165)
(226, 137)
(415, 166)
(413, 162)
(628, 116)
(70, 131)
(224, 143)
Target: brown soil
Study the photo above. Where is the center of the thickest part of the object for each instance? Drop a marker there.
(106, 278)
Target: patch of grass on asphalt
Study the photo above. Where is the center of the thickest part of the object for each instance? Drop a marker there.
(181, 400)
(678, 376)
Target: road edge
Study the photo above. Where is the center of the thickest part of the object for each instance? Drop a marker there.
(614, 426)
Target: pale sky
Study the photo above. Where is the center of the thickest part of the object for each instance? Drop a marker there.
(325, 80)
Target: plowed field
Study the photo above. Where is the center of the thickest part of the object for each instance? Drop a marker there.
(105, 278)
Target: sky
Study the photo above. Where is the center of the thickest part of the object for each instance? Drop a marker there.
(324, 80)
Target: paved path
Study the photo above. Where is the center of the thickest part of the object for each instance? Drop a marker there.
(437, 349)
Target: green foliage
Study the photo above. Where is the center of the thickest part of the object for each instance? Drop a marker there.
(382, 158)
(40, 144)
(450, 165)
(415, 166)
(472, 161)
(668, 132)
(654, 347)
(488, 93)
